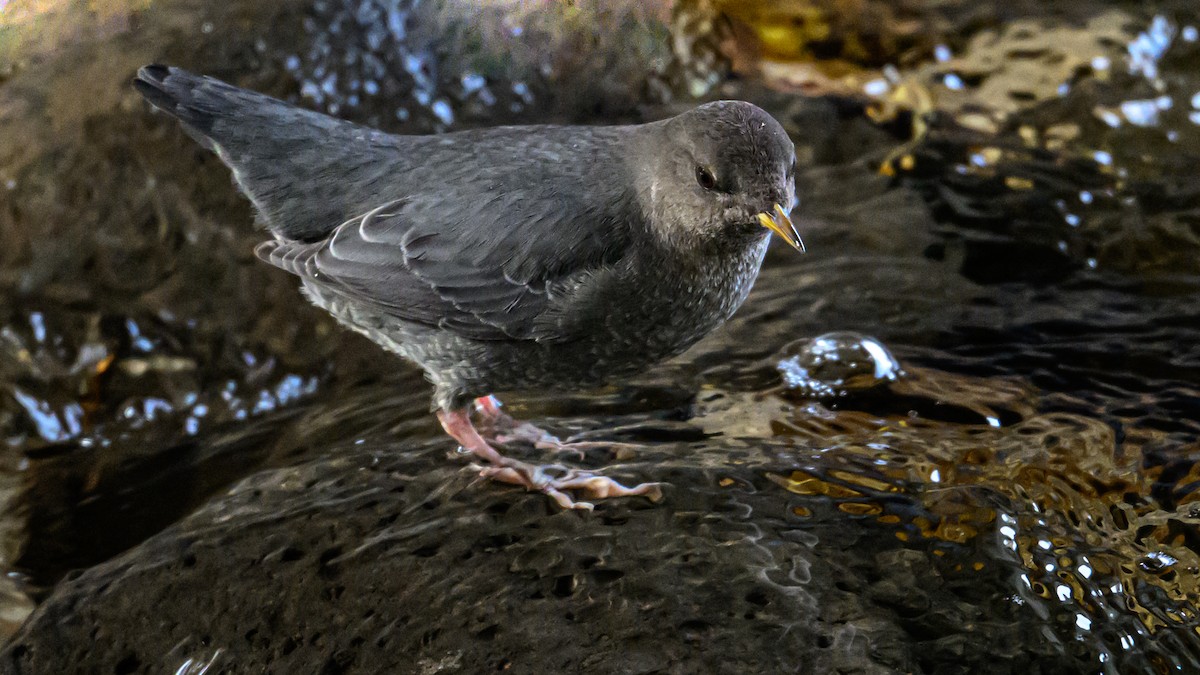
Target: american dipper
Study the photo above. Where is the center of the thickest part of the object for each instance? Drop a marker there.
(509, 257)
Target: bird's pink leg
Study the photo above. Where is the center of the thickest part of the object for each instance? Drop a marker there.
(457, 423)
(504, 430)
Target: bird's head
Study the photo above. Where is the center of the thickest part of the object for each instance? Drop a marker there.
(722, 173)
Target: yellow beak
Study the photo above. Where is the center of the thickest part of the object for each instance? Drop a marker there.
(781, 224)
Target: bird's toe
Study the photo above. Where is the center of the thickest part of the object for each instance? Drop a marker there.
(560, 483)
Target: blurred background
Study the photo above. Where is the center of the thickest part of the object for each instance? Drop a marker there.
(959, 435)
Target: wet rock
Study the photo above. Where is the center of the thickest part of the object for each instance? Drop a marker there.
(428, 66)
(373, 561)
(390, 559)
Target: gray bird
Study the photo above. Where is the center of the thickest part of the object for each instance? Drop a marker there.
(509, 257)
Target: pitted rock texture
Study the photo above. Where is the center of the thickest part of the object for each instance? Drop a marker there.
(387, 560)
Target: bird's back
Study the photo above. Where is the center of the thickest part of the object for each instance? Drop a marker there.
(307, 173)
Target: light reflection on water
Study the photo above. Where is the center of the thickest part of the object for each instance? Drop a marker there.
(1082, 502)
(1071, 515)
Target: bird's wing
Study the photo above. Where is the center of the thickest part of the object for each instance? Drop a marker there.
(486, 276)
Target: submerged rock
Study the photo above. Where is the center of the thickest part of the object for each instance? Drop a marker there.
(393, 560)
(373, 561)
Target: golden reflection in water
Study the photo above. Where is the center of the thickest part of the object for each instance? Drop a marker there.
(1054, 495)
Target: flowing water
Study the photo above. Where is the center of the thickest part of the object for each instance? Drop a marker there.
(987, 367)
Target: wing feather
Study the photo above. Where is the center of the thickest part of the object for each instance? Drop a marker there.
(486, 284)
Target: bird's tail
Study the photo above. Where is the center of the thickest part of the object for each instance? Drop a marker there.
(305, 172)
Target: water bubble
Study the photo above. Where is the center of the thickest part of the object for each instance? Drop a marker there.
(1144, 113)
(443, 111)
(836, 363)
(264, 403)
(1148, 48)
(329, 84)
(375, 38)
(472, 82)
(1109, 117)
(521, 89)
(38, 323)
(876, 87)
(48, 423)
(396, 19)
(310, 90)
(1157, 561)
(153, 407)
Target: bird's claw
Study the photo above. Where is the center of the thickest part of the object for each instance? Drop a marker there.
(527, 433)
(589, 485)
(506, 431)
(554, 480)
(542, 440)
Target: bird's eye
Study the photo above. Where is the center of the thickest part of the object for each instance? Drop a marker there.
(705, 178)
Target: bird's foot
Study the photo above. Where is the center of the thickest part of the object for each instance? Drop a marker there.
(554, 480)
(557, 481)
(504, 430)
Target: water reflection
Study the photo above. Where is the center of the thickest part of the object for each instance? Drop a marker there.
(1052, 503)
(1029, 253)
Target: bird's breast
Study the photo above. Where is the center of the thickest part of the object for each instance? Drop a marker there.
(667, 307)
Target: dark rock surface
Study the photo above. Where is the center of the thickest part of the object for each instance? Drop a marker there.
(393, 560)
